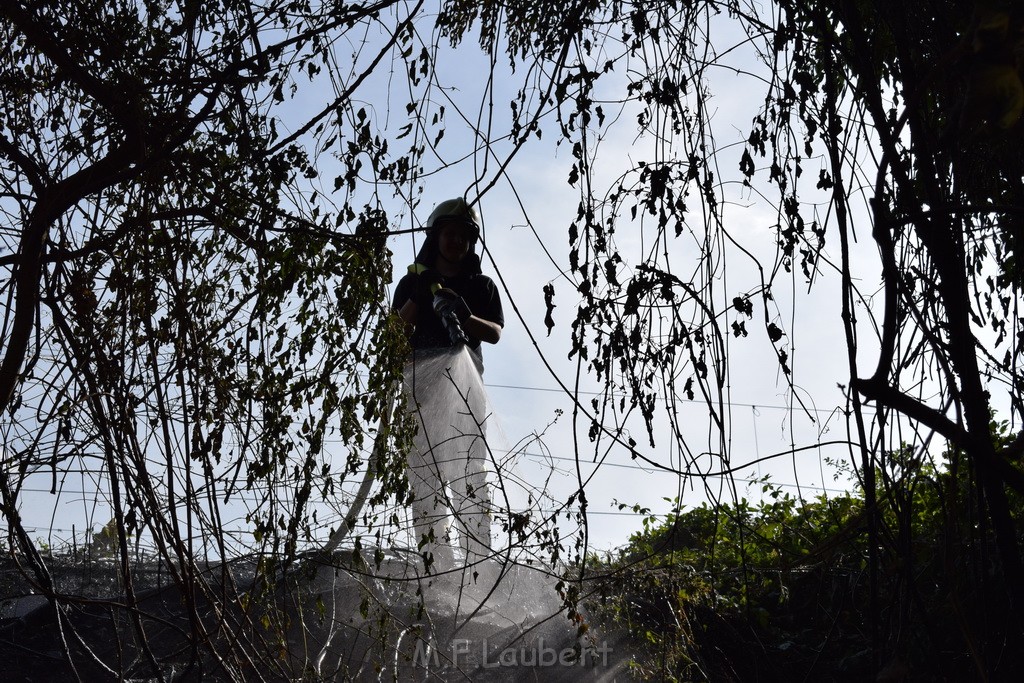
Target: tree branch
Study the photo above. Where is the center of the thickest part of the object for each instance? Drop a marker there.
(31, 254)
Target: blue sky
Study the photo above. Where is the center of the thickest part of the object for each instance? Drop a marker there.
(526, 215)
(526, 210)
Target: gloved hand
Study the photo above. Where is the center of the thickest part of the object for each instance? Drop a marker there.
(427, 281)
(448, 300)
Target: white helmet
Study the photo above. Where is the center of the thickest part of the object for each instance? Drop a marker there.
(457, 209)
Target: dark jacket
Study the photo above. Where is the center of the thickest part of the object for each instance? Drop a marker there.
(480, 293)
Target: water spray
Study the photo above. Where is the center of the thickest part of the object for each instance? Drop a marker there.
(459, 339)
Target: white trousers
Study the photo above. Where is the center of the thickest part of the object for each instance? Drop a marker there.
(447, 464)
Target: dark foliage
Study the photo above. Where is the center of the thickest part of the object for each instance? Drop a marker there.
(779, 591)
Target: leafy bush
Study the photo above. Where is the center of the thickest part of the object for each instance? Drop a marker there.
(782, 589)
